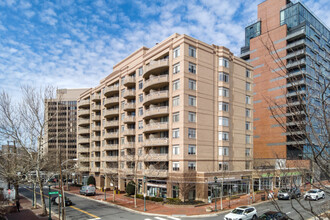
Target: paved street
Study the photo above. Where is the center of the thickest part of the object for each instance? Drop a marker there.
(88, 209)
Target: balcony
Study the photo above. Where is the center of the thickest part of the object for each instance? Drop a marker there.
(154, 81)
(83, 149)
(128, 157)
(296, 93)
(111, 135)
(96, 108)
(158, 111)
(83, 112)
(129, 119)
(111, 90)
(83, 121)
(296, 44)
(156, 97)
(95, 169)
(84, 103)
(161, 126)
(111, 112)
(128, 145)
(111, 101)
(110, 124)
(83, 140)
(129, 94)
(127, 171)
(154, 66)
(96, 128)
(96, 97)
(155, 157)
(155, 142)
(296, 63)
(155, 173)
(111, 170)
(130, 80)
(110, 158)
(96, 118)
(82, 130)
(297, 54)
(129, 106)
(96, 138)
(84, 169)
(83, 159)
(129, 132)
(111, 147)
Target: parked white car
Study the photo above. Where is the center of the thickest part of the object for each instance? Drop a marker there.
(242, 213)
(314, 194)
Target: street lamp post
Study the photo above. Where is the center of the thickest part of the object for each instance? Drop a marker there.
(50, 205)
(144, 195)
(215, 194)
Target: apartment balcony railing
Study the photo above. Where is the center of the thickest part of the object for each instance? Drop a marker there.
(83, 121)
(111, 112)
(111, 101)
(130, 80)
(128, 145)
(156, 96)
(111, 147)
(155, 142)
(111, 90)
(127, 171)
(110, 158)
(96, 138)
(96, 108)
(128, 157)
(82, 130)
(83, 140)
(95, 159)
(129, 106)
(129, 94)
(129, 132)
(129, 119)
(83, 112)
(83, 149)
(96, 128)
(163, 110)
(155, 65)
(96, 97)
(296, 93)
(296, 44)
(296, 63)
(95, 169)
(155, 81)
(109, 124)
(111, 135)
(111, 170)
(84, 159)
(155, 173)
(295, 54)
(84, 169)
(160, 126)
(96, 118)
(155, 157)
(84, 103)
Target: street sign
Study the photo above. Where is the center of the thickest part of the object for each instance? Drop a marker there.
(53, 193)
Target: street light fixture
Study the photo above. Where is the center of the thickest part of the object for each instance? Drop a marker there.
(144, 195)
(215, 194)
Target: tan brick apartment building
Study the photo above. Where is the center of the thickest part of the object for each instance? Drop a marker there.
(179, 113)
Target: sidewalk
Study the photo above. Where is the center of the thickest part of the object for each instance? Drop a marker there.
(166, 209)
(26, 212)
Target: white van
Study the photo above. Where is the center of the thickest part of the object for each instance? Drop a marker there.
(87, 190)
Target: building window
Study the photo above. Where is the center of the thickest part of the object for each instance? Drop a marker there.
(247, 125)
(176, 52)
(192, 100)
(191, 149)
(141, 98)
(122, 104)
(224, 92)
(176, 133)
(247, 152)
(176, 166)
(140, 71)
(122, 92)
(224, 77)
(224, 106)
(176, 68)
(140, 124)
(140, 84)
(248, 139)
(224, 62)
(176, 116)
(122, 128)
(140, 138)
(192, 116)
(248, 86)
(248, 112)
(176, 101)
(191, 165)
(176, 84)
(247, 99)
(247, 165)
(192, 84)
(122, 80)
(122, 116)
(176, 149)
(192, 68)
(192, 51)
(223, 121)
(122, 165)
(223, 136)
(140, 165)
(248, 73)
(140, 111)
(122, 140)
(223, 166)
(192, 133)
(223, 151)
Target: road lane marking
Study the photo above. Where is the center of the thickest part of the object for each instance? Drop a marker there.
(170, 217)
(159, 218)
(288, 213)
(90, 214)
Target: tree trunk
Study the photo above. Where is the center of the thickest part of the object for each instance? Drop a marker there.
(34, 195)
(42, 196)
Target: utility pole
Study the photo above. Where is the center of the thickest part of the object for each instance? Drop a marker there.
(215, 194)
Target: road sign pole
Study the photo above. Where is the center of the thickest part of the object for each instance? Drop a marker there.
(50, 204)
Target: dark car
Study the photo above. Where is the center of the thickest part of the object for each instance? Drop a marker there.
(273, 215)
(55, 201)
(289, 193)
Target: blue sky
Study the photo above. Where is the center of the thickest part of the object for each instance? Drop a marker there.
(74, 44)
